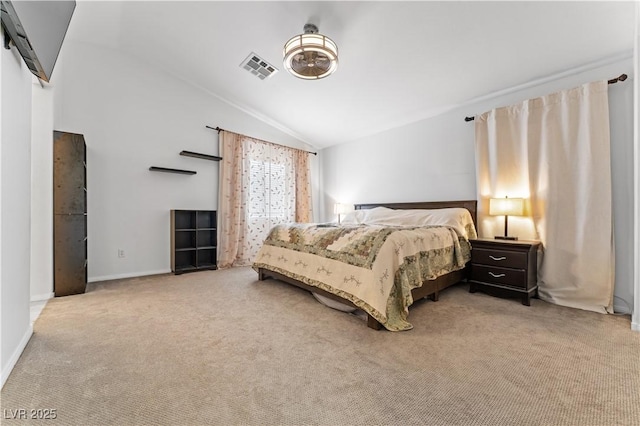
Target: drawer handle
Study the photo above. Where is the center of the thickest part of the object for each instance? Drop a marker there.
(498, 258)
(496, 275)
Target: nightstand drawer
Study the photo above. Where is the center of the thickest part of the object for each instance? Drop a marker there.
(494, 275)
(501, 258)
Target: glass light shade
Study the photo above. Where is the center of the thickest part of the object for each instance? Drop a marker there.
(304, 49)
(506, 206)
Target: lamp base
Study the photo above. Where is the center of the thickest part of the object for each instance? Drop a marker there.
(505, 237)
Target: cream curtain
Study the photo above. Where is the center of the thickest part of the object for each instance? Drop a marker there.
(261, 185)
(231, 196)
(303, 186)
(554, 151)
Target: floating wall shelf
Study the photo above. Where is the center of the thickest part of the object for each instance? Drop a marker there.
(202, 156)
(164, 169)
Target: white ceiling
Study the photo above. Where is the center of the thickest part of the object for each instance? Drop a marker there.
(399, 61)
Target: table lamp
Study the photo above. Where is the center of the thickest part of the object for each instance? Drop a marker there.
(339, 209)
(506, 207)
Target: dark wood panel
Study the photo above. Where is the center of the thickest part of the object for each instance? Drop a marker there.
(206, 258)
(70, 254)
(185, 239)
(206, 219)
(70, 208)
(69, 173)
(501, 258)
(495, 275)
(207, 238)
(184, 219)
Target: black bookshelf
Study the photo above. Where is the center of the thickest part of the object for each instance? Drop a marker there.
(194, 240)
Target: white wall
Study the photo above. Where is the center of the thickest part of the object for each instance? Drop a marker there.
(621, 119)
(635, 320)
(15, 208)
(41, 191)
(134, 116)
(434, 159)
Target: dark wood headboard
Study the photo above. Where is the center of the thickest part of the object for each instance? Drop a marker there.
(471, 205)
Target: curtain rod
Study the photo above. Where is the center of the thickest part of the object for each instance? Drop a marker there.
(622, 77)
(218, 129)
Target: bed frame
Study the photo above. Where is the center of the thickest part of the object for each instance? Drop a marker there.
(428, 289)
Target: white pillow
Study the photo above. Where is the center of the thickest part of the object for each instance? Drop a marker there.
(354, 217)
(455, 217)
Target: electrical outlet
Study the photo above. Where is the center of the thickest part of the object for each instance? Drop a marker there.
(120, 253)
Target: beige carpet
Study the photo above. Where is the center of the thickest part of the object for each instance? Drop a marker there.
(219, 347)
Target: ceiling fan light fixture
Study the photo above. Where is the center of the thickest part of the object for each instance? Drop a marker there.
(310, 56)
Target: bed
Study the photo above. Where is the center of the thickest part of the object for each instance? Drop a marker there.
(381, 266)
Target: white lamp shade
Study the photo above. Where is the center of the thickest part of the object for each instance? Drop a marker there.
(339, 208)
(506, 206)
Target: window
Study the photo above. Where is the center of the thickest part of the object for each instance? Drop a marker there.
(266, 190)
(261, 185)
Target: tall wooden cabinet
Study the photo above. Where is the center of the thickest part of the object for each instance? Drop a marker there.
(69, 214)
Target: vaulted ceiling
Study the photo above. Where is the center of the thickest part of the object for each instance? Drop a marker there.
(399, 61)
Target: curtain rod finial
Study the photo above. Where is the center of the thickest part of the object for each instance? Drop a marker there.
(622, 77)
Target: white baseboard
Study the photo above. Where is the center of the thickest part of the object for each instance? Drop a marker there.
(7, 369)
(635, 326)
(128, 275)
(42, 297)
(621, 309)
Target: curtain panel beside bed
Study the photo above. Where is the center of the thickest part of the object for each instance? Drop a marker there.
(555, 152)
(261, 185)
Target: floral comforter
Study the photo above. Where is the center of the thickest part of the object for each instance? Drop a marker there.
(373, 266)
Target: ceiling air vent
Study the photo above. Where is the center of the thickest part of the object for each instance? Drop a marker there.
(258, 66)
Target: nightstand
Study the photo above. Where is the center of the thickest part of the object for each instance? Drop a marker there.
(505, 266)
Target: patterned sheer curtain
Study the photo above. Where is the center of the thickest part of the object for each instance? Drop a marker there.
(555, 151)
(261, 185)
